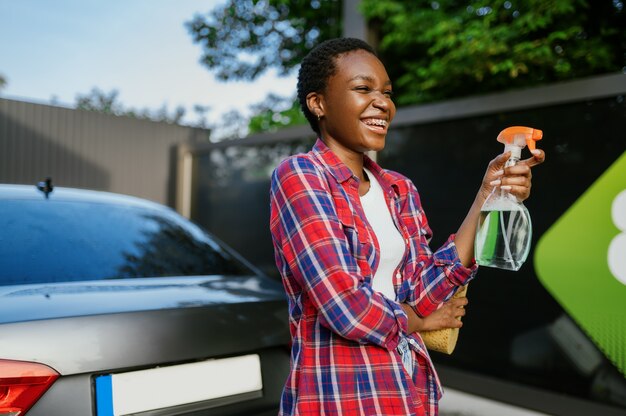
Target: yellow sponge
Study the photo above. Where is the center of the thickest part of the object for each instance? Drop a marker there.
(444, 340)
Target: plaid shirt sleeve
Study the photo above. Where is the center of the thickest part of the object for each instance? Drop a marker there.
(437, 275)
(314, 249)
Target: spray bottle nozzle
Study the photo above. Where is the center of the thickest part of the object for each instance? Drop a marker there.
(519, 135)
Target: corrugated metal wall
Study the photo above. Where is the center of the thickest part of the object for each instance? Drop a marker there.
(85, 149)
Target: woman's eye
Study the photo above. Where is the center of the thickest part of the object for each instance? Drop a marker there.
(389, 93)
(362, 88)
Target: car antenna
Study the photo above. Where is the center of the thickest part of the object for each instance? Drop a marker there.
(46, 186)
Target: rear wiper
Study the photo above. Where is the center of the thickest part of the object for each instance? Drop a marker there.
(46, 186)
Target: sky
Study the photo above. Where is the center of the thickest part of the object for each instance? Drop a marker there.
(53, 50)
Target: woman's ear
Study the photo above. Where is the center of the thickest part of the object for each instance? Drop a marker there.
(314, 102)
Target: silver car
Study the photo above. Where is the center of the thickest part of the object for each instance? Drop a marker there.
(113, 305)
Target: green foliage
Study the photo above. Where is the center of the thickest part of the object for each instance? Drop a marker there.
(99, 101)
(241, 39)
(108, 103)
(3, 82)
(232, 125)
(269, 116)
(445, 49)
(433, 50)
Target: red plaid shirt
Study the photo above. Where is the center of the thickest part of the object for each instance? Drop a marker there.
(344, 357)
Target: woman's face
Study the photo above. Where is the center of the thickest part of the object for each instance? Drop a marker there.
(356, 105)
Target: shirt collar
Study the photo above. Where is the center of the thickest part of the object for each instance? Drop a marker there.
(335, 166)
(342, 173)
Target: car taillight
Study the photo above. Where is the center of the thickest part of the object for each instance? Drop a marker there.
(22, 383)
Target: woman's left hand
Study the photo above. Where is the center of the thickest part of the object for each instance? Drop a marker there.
(516, 179)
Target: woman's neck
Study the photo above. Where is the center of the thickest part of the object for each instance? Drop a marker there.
(352, 159)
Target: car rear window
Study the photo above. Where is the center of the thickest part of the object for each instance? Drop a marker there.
(57, 241)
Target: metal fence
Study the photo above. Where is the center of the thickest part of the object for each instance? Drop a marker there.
(85, 149)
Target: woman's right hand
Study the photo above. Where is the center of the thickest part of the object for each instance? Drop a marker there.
(447, 316)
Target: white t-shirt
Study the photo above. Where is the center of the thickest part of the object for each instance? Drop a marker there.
(389, 238)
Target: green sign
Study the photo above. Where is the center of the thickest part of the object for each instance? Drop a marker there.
(581, 261)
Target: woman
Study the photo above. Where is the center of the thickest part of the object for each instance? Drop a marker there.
(351, 244)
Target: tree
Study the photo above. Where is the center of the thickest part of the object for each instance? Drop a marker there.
(275, 112)
(100, 101)
(241, 39)
(232, 125)
(3, 82)
(445, 49)
(433, 50)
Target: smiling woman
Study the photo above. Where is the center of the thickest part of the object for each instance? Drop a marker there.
(362, 87)
(352, 247)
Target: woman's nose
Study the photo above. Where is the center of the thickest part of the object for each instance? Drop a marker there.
(382, 101)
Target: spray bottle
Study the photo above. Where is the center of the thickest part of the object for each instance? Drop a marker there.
(504, 230)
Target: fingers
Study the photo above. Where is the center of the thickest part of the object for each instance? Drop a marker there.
(539, 156)
(517, 180)
(451, 317)
(458, 302)
(447, 316)
(498, 162)
(518, 170)
(453, 323)
(455, 308)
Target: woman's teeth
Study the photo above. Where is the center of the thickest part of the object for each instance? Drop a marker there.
(375, 122)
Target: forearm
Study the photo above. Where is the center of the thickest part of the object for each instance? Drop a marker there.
(438, 275)
(415, 323)
(464, 239)
(363, 316)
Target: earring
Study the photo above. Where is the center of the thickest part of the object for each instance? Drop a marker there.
(319, 117)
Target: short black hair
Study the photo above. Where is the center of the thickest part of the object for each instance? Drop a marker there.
(319, 65)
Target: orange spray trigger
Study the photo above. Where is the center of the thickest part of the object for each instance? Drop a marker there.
(531, 142)
(513, 135)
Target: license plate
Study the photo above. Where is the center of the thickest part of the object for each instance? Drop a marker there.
(165, 387)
